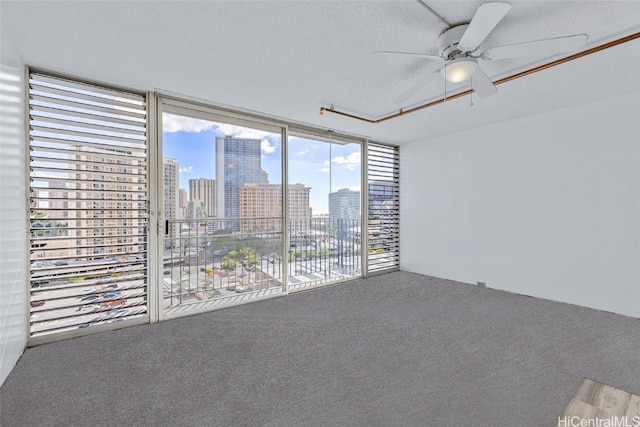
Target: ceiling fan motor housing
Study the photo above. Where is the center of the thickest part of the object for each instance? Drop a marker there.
(448, 42)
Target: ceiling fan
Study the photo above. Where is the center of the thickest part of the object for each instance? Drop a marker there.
(459, 54)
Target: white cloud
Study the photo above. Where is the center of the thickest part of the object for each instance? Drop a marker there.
(267, 146)
(173, 123)
(353, 158)
(351, 162)
(186, 169)
(241, 132)
(324, 170)
(307, 150)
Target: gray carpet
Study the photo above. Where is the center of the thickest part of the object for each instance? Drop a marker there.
(394, 350)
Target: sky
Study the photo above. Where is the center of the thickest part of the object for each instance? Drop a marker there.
(320, 165)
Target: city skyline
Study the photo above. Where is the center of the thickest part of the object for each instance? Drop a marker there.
(323, 167)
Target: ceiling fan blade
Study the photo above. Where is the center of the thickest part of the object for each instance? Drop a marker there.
(414, 88)
(481, 84)
(537, 47)
(418, 55)
(486, 18)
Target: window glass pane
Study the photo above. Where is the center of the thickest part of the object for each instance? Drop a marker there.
(326, 246)
(222, 197)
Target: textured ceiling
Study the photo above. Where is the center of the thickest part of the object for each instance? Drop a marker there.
(287, 59)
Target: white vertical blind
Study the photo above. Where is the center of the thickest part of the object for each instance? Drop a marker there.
(383, 174)
(88, 204)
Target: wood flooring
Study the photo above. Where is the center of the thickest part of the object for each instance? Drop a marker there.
(599, 402)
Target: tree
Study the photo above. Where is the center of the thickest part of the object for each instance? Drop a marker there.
(247, 256)
(229, 263)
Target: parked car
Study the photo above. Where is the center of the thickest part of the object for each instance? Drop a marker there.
(116, 302)
(89, 308)
(112, 295)
(41, 264)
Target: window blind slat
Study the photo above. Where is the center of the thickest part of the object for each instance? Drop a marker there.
(82, 134)
(69, 112)
(50, 101)
(80, 162)
(48, 121)
(88, 204)
(37, 149)
(84, 86)
(60, 91)
(77, 143)
(383, 174)
(89, 172)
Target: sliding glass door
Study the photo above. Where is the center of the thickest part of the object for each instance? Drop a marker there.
(235, 227)
(221, 193)
(324, 211)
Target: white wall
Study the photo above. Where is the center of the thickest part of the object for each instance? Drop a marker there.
(547, 205)
(13, 252)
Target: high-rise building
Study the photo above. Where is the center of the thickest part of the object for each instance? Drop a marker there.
(238, 162)
(196, 210)
(204, 190)
(383, 213)
(183, 199)
(103, 206)
(299, 211)
(171, 170)
(52, 221)
(261, 205)
(380, 191)
(344, 204)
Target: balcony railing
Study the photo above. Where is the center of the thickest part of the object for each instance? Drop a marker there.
(206, 263)
(212, 261)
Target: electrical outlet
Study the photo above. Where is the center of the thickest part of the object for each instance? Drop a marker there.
(481, 284)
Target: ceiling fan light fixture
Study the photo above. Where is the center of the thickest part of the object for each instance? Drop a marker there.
(459, 69)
